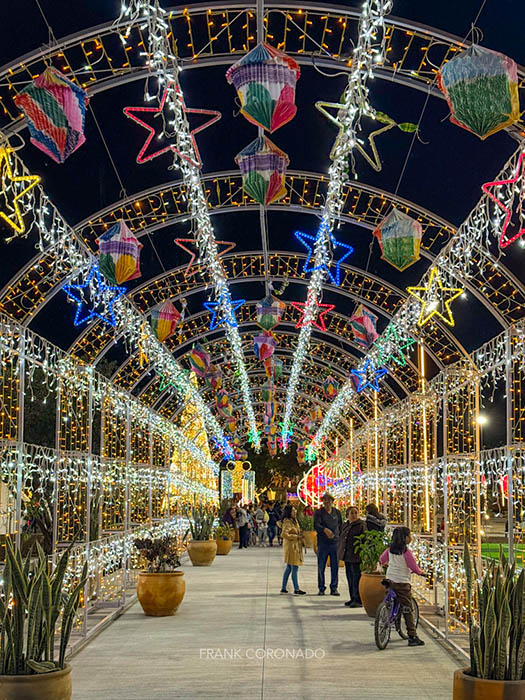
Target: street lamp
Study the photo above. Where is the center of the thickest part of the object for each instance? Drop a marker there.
(481, 420)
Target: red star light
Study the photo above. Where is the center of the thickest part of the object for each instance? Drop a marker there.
(142, 158)
(320, 323)
(503, 241)
(181, 241)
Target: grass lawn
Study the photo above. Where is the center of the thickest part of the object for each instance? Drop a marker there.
(490, 550)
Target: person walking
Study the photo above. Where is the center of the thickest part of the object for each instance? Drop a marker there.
(260, 520)
(327, 524)
(242, 524)
(292, 550)
(352, 528)
(401, 564)
(374, 519)
(273, 517)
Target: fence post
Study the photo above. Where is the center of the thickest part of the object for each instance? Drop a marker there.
(509, 368)
(20, 438)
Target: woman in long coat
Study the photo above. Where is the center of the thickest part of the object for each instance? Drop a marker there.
(292, 548)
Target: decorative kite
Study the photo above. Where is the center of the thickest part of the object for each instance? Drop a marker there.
(481, 88)
(308, 425)
(316, 413)
(266, 391)
(213, 377)
(399, 237)
(264, 346)
(272, 446)
(223, 404)
(119, 259)
(55, 111)
(164, 320)
(231, 425)
(263, 169)
(273, 367)
(363, 324)
(300, 451)
(200, 360)
(269, 312)
(265, 81)
(331, 387)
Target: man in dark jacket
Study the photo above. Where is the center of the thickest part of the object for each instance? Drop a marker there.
(327, 524)
(274, 516)
(352, 528)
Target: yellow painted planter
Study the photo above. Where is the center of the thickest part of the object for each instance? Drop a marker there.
(202, 552)
(223, 546)
(371, 592)
(310, 538)
(469, 688)
(160, 594)
(43, 686)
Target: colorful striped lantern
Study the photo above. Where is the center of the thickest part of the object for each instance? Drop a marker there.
(265, 81)
(363, 324)
(231, 424)
(266, 391)
(316, 413)
(164, 320)
(308, 425)
(300, 451)
(213, 377)
(264, 346)
(331, 387)
(481, 88)
(263, 169)
(55, 110)
(223, 404)
(272, 446)
(399, 237)
(119, 254)
(270, 311)
(199, 359)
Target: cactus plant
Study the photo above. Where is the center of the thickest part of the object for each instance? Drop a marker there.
(497, 626)
(200, 523)
(31, 603)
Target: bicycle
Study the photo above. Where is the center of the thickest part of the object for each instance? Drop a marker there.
(388, 615)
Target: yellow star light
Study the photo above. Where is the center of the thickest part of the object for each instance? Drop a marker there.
(439, 306)
(17, 223)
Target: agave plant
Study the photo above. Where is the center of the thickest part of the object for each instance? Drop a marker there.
(31, 603)
(224, 532)
(200, 523)
(497, 632)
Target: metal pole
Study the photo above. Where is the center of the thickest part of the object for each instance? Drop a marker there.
(386, 491)
(477, 467)
(20, 438)
(57, 459)
(405, 466)
(510, 442)
(445, 515)
(409, 466)
(89, 438)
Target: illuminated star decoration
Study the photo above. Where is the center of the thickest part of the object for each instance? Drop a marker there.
(224, 447)
(165, 383)
(391, 347)
(142, 157)
(14, 219)
(429, 309)
(368, 376)
(304, 237)
(320, 323)
(103, 293)
(212, 306)
(181, 241)
(503, 241)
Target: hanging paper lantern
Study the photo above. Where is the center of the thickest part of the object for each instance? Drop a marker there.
(213, 377)
(272, 446)
(277, 367)
(399, 237)
(266, 391)
(265, 81)
(316, 413)
(264, 346)
(263, 169)
(481, 88)
(164, 320)
(119, 259)
(269, 410)
(55, 110)
(331, 387)
(300, 452)
(200, 360)
(223, 404)
(363, 324)
(270, 312)
(231, 424)
(308, 425)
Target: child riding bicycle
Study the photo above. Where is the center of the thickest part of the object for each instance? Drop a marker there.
(401, 564)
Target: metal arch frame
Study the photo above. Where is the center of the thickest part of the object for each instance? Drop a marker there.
(136, 74)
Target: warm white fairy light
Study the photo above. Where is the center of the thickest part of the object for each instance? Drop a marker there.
(165, 69)
(367, 52)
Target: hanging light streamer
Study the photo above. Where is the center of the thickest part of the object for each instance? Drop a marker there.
(162, 61)
(367, 53)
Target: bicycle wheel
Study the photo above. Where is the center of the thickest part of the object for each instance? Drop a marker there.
(401, 627)
(382, 626)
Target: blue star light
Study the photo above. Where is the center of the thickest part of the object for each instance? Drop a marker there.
(104, 293)
(364, 376)
(224, 446)
(305, 237)
(212, 307)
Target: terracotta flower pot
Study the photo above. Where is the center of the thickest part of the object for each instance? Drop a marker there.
(310, 538)
(202, 552)
(160, 594)
(371, 592)
(469, 688)
(41, 686)
(223, 546)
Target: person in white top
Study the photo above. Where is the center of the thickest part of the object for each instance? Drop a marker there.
(401, 566)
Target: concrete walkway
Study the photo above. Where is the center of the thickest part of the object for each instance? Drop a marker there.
(233, 609)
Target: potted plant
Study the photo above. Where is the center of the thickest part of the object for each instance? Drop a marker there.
(497, 634)
(33, 603)
(224, 535)
(370, 545)
(201, 548)
(306, 523)
(160, 588)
